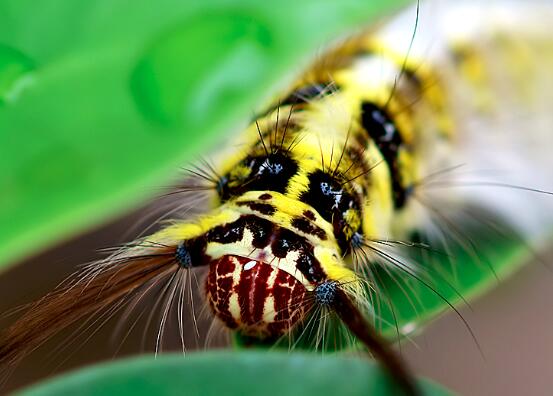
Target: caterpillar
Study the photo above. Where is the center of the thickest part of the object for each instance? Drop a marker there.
(338, 175)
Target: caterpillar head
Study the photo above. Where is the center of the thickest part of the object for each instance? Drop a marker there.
(266, 264)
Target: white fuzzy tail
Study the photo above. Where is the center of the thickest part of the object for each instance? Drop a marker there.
(500, 96)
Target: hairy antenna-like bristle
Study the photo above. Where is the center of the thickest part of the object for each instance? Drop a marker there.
(85, 294)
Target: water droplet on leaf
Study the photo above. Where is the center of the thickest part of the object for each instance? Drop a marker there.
(199, 65)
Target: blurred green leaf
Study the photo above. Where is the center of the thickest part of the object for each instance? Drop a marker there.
(223, 373)
(107, 98)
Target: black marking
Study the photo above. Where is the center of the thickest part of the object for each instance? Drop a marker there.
(263, 208)
(310, 215)
(265, 196)
(266, 173)
(306, 226)
(261, 230)
(286, 241)
(227, 233)
(381, 128)
(310, 267)
(325, 293)
(331, 200)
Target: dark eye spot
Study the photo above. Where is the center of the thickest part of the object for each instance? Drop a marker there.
(266, 173)
(380, 127)
(331, 200)
(326, 195)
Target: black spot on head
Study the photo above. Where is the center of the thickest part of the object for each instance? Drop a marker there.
(265, 196)
(310, 267)
(267, 172)
(227, 233)
(308, 227)
(261, 230)
(380, 127)
(331, 200)
(287, 241)
(325, 194)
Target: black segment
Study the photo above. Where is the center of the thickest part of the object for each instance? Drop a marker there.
(263, 208)
(261, 230)
(380, 127)
(310, 215)
(326, 195)
(266, 173)
(265, 233)
(306, 226)
(227, 233)
(286, 241)
(308, 265)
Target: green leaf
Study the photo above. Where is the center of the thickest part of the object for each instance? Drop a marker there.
(102, 101)
(223, 373)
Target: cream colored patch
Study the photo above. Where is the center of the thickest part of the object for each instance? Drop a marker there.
(234, 307)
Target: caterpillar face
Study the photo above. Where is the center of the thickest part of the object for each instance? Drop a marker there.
(265, 265)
